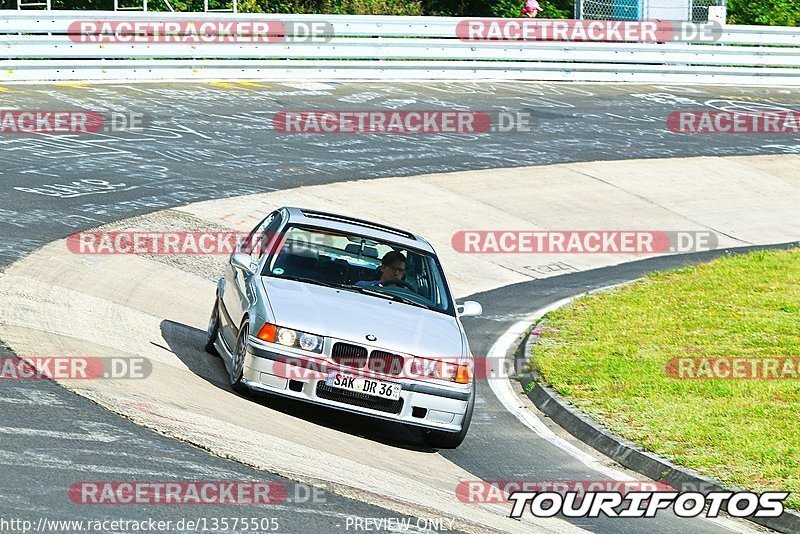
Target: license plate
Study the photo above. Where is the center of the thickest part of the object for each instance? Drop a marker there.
(368, 386)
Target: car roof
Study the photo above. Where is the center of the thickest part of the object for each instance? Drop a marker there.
(346, 223)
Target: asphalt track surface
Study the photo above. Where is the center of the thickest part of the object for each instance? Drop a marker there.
(206, 141)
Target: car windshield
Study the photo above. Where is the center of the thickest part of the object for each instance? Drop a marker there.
(353, 262)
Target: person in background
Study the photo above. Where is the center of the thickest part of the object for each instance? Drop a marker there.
(531, 8)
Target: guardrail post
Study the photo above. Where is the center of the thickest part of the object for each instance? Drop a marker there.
(21, 4)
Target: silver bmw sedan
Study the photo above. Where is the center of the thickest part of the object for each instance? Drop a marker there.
(350, 314)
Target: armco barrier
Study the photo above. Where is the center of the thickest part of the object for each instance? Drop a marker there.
(42, 45)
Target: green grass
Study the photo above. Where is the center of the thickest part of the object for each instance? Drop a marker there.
(607, 353)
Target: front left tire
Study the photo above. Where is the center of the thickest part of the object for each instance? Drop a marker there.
(213, 330)
(236, 371)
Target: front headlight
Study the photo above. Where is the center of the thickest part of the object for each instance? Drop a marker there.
(291, 338)
(310, 342)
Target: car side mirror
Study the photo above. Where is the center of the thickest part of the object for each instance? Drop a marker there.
(242, 261)
(470, 308)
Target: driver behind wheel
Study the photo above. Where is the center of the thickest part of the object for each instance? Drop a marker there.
(392, 268)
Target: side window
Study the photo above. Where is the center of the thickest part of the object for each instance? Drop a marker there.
(247, 244)
(422, 279)
(260, 237)
(269, 233)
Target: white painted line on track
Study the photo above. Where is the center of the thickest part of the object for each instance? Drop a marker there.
(39, 432)
(31, 396)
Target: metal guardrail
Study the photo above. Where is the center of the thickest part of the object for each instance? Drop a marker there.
(42, 45)
(12, 21)
(429, 49)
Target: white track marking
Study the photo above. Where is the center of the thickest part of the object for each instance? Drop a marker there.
(56, 434)
(93, 432)
(31, 396)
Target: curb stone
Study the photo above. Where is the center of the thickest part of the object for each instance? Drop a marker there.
(625, 452)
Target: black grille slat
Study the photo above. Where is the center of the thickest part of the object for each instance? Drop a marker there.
(349, 355)
(358, 399)
(386, 363)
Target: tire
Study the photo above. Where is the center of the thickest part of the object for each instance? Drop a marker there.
(213, 330)
(237, 362)
(439, 439)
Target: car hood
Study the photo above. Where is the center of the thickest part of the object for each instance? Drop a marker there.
(351, 316)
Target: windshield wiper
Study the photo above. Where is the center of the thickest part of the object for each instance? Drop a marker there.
(369, 291)
(406, 300)
(389, 296)
(310, 281)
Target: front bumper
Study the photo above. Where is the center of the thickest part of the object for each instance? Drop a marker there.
(424, 404)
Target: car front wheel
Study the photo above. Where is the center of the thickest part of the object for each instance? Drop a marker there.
(213, 329)
(237, 362)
